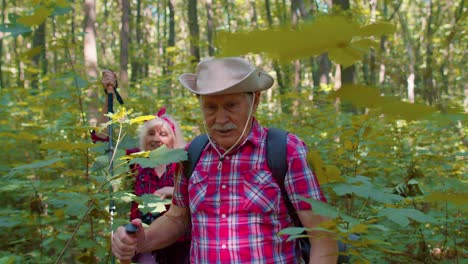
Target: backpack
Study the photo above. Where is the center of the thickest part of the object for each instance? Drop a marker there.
(277, 162)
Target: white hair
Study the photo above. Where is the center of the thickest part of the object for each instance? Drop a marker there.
(176, 134)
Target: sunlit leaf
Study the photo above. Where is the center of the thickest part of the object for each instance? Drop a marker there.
(37, 18)
(377, 29)
(152, 203)
(359, 95)
(345, 55)
(407, 111)
(141, 119)
(460, 199)
(332, 174)
(328, 33)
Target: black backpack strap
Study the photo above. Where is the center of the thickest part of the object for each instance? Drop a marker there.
(277, 162)
(193, 154)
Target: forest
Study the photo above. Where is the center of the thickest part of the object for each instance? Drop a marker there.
(377, 89)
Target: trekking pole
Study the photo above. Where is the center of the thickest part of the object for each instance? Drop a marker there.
(110, 150)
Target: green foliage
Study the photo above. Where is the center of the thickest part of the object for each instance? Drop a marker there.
(393, 172)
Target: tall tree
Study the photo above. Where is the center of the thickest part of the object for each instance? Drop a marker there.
(90, 57)
(2, 82)
(407, 40)
(281, 80)
(39, 60)
(430, 89)
(194, 31)
(124, 41)
(209, 27)
(137, 47)
(348, 74)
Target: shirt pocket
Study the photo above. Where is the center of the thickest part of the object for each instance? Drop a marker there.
(261, 193)
(200, 192)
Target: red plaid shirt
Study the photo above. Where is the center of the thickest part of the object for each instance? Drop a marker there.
(237, 212)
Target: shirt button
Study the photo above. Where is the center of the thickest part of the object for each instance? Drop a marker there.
(223, 246)
(223, 186)
(223, 216)
(227, 157)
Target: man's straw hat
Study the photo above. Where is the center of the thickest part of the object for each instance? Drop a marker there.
(225, 76)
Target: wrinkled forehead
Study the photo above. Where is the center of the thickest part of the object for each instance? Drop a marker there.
(220, 98)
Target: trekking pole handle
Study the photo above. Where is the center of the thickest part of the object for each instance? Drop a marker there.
(130, 228)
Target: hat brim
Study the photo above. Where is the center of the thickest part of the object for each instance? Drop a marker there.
(253, 82)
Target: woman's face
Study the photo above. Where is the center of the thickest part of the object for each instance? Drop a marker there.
(158, 136)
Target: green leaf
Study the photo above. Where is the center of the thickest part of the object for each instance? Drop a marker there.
(160, 156)
(37, 164)
(15, 29)
(152, 203)
(401, 216)
(321, 208)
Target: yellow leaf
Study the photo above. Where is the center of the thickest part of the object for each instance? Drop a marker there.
(364, 44)
(349, 145)
(120, 115)
(407, 111)
(140, 154)
(460, 199)
(316, 162)
(325, 33)
(377, 29)
(141, 119)
(359, 95)
(31, 52)
(359, 229)
(345, 55)
(39, 16)
(333, 174)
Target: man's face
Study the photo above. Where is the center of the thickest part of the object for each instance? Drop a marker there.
(226, 115)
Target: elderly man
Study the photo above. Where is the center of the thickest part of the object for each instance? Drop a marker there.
(231, 202)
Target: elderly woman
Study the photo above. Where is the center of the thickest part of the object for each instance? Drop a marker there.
(162, 130)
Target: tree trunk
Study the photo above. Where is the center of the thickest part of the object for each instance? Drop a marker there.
(138, 54)
(276, 66)
(90, 57)
(170, 44)
(348, 75)
(209, 27)
(194, 31)
(410, 53)
(383, 50)
(430, 89)
(39, 60)
(228, 14)
(2, 82)
(124, 42)
(253, 14)
(372, 63)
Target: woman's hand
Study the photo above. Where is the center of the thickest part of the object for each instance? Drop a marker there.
(109, 81)
(164, 192)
